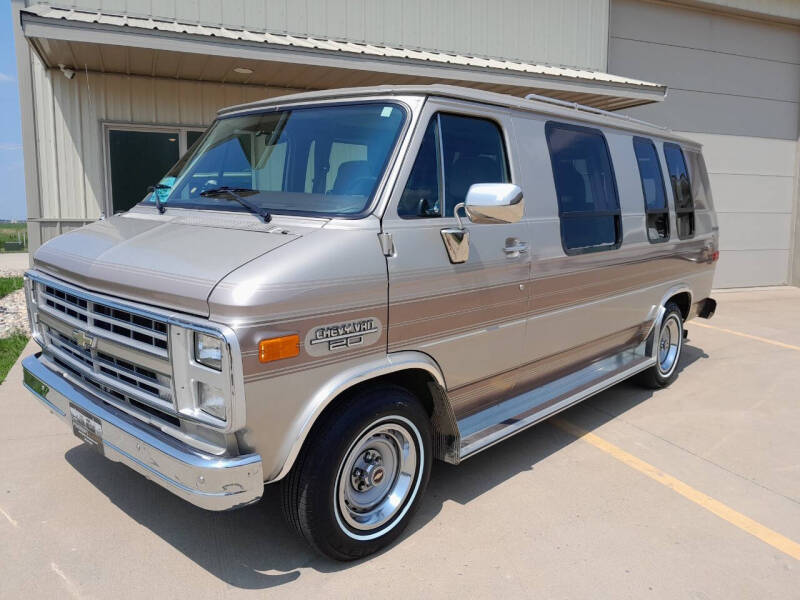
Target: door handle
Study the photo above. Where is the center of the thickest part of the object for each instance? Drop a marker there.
(514, 247)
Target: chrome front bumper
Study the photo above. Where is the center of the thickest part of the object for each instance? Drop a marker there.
(206, 481)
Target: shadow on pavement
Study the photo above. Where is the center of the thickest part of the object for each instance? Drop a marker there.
(253, 548)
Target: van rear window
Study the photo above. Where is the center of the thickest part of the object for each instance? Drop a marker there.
(588, 203)
(701, 190)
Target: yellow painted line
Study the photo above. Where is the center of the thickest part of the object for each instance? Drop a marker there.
(749, 337)
(746, 524)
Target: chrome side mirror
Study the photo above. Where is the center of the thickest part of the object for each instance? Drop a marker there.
(485, 203)
(494, 203)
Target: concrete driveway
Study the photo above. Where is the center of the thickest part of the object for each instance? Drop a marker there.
(688, 492)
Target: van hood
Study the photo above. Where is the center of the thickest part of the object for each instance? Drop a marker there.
(172, 264)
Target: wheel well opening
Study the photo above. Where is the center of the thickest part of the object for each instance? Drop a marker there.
(432, 398)
(414, 380)
(684, 302)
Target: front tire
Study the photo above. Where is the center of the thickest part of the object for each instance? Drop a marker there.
(361, 473)
(668, 345)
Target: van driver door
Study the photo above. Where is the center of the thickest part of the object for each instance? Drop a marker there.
(469, 317)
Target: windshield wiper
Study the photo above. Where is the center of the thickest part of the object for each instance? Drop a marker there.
(233, 194)
(154, 189)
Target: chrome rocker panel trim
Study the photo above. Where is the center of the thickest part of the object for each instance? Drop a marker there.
(210, 482)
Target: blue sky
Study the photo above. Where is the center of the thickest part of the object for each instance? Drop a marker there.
(12, 171)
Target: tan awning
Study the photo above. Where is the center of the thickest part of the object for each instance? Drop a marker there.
(125, 44)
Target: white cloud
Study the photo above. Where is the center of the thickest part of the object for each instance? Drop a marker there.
(10, 147)
(5, 78)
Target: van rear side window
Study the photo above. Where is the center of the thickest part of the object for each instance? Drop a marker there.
(655, 196)
(681, 190)
(588, 203)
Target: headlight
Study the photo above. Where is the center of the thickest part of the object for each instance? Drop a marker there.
(211, 400)
(208, 350)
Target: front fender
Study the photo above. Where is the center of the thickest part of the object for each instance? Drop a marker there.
(346, 379)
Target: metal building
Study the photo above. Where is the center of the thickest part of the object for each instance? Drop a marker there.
(114, 91)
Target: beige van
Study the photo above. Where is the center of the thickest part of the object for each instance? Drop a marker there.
(334, 288)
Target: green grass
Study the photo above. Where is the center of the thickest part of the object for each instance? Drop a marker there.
(10, 349)
(9, 284)
(13, 232)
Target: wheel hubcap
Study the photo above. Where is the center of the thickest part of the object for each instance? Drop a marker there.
(377, 476)
(669, 345)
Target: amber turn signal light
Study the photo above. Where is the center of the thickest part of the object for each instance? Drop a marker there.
(278, 348)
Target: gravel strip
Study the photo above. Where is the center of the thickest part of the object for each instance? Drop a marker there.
(13, 314)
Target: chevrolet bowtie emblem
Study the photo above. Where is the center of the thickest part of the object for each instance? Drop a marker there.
(83, 340)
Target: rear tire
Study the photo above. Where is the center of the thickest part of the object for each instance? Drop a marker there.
(361, 472)
(668, 345)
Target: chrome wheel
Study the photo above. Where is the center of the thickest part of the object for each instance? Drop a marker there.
(669, 345)
(378, 477)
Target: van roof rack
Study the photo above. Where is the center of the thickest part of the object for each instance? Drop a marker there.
(591, 109)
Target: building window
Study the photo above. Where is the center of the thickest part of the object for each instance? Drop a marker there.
(655, 196)
(588, 203)
(192, 136)
(681, 190)
(456, 152)
(139, 157)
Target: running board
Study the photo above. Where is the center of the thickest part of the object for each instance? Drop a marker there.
(486, 428)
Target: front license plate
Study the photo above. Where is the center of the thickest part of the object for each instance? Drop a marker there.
(87, 427)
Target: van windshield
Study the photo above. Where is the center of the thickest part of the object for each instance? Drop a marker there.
(319, 161)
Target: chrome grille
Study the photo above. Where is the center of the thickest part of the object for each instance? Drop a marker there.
(95, 386)
(124, 372)
(99, 344)
(144, 332)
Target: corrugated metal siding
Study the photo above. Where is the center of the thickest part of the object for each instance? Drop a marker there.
(560, 32)
(69, 130)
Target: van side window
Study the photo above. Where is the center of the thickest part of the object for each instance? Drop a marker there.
(466, 150)
(701, 189)
(588, 204)
(473, 152)
(422, 196)
(655, 196)
(681, 190)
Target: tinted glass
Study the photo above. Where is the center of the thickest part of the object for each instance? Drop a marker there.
(422, 194)
(650, 172)
(585, 187)
(678, 176)
(138, 160)
(587, 231)
(685, 224)
(701, 190)
(655, 197)
(582, 167)
(658, 226)
(325, 160)
(473, 153)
